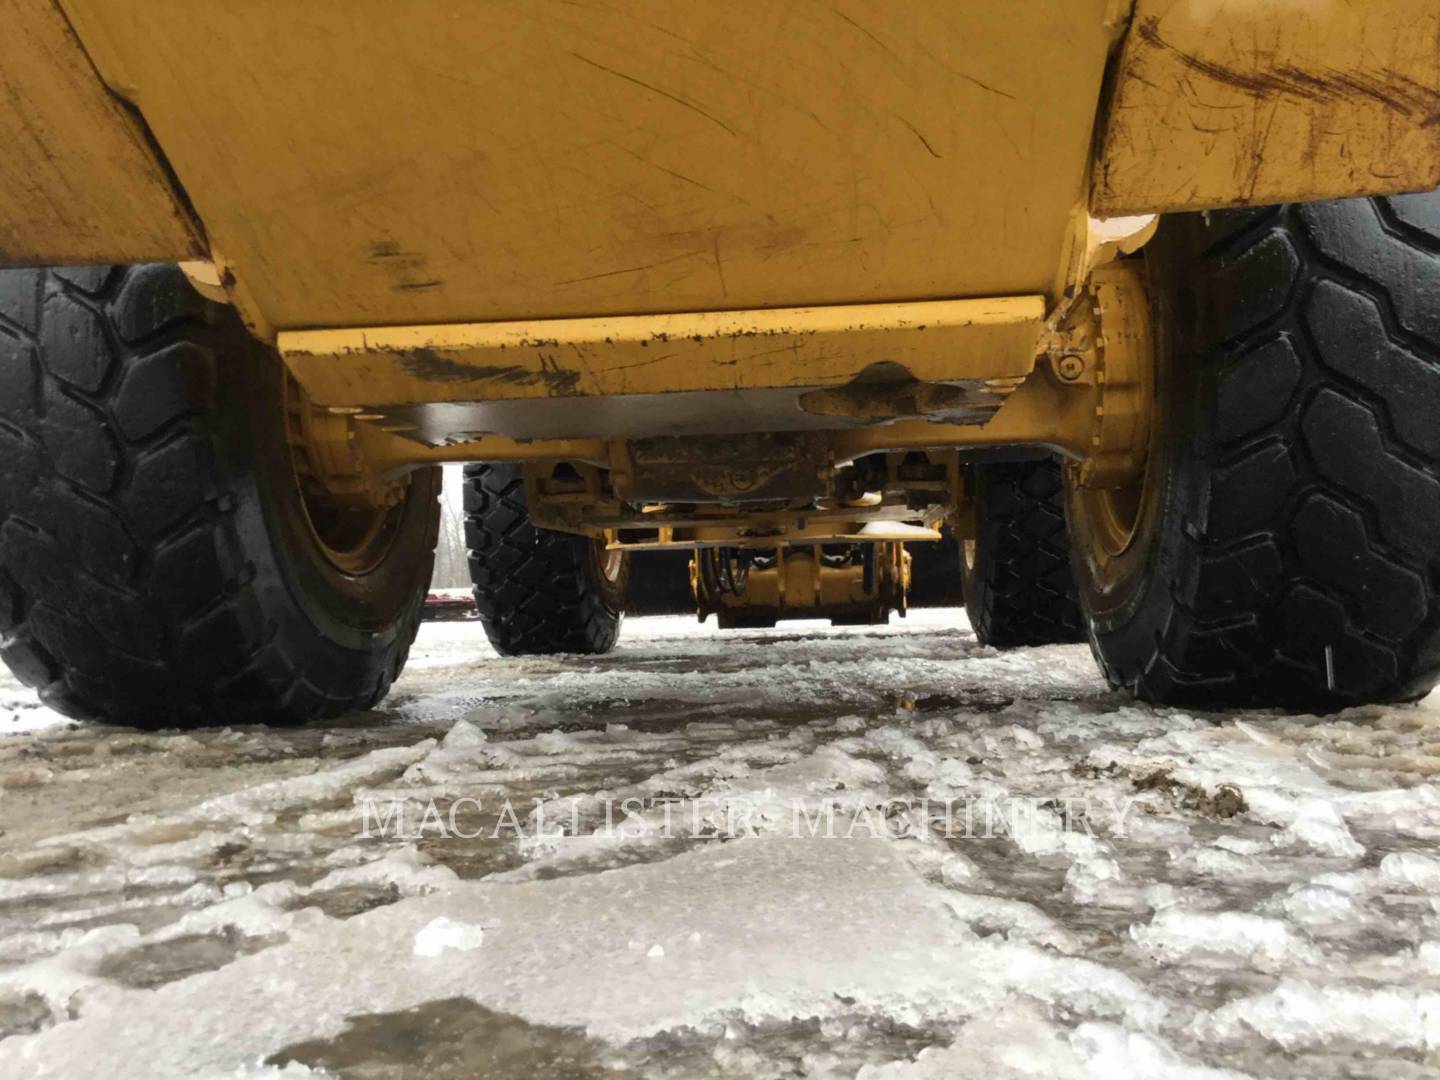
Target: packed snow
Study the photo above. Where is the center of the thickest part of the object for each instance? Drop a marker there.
(806, 852)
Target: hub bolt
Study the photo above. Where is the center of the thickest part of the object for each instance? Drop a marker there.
(1070, 367)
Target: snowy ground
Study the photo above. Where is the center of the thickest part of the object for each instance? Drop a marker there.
(800, 852)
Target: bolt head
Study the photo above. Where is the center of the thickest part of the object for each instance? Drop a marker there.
(1070, 368)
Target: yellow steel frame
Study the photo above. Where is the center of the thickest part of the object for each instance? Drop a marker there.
(423, 162)
(538, 232)
(1268, 101)
(419, 162)
(764, 532)
(1085, 396)
(1040, 406)
(991, 341)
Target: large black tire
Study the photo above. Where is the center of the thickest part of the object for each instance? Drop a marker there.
(1288, 552)
(1018, 586)
(156, 563)
(538, 591)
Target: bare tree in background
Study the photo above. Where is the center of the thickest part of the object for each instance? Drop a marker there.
(451, 571)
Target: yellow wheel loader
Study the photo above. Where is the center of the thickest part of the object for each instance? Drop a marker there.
(788, 285)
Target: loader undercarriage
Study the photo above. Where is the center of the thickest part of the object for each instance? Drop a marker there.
(889, 403)
(913, 391)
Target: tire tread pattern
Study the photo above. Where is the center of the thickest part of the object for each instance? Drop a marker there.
(123, 591)
(1310, 565)
(1022, 589)
(535, 589)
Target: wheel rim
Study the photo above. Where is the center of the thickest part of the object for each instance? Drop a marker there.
(1109, 524)
(1114, 515)
(608, 561)
(1110, 496)
(353, 541)
(355, 533)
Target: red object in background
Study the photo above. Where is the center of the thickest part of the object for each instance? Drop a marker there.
(446, 605)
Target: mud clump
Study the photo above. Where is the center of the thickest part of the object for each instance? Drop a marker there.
(1225, 802)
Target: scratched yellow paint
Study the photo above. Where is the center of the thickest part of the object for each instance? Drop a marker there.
(715, 351)
(423, 162)
(383, 162)
(77, 181)
(1268, 101)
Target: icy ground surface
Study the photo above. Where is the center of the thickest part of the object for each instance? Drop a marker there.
(1228, 894)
